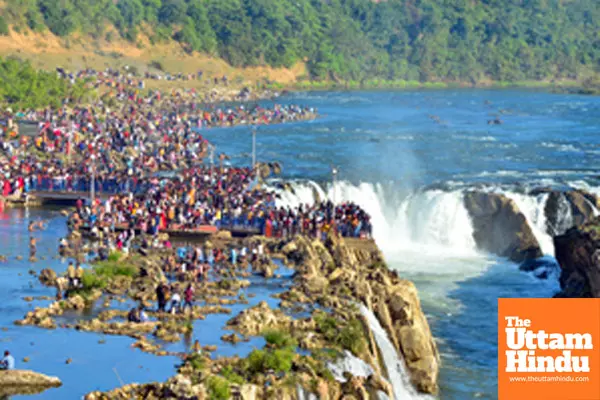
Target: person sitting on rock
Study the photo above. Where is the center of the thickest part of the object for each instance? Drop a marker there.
(142, 315)
(175, 303)
(134, 315)
(8, 362)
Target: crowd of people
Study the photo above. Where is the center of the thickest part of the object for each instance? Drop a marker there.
(147, 156)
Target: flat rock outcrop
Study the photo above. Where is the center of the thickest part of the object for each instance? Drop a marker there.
(16, 382)
(578, 254)
(499, 227)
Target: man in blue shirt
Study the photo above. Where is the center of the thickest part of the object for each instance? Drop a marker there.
(8, 362)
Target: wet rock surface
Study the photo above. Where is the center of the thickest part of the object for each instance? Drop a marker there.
(578, 254)
(499, 227)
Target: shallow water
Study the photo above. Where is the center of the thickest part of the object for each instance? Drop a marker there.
(404, 156)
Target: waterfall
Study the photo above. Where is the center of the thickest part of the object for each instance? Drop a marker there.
(396, 370)
(349, 363)
(565, 216)
(534, 210)
(433, 220)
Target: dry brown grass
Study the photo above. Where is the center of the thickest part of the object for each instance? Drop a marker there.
(47, 51)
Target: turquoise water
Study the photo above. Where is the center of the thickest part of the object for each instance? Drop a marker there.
(406, 157)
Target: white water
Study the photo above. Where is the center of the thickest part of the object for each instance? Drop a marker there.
(432, 222)
(303, 395)
(565, 215)
(533, 208)
(435, 221)
(349, 363)
(394, 364)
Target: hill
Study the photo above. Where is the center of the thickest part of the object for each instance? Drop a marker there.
(470, 41)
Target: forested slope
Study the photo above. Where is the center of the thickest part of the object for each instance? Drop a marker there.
(424, 40)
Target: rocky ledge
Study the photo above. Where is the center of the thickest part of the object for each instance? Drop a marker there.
(578, 254)
(501, 228)
(21, 382)
(346, 326)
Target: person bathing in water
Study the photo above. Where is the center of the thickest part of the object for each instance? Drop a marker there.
(32, 248)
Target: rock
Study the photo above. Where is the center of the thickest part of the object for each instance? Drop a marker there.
(565, 210)
(233, 338)
(414, 336)
(578, 254)
(500, 228)
(223, 235)
(265, 269)
(249, 392)
(255, 320)
(15, 382)
(75, 303)
(47, 277)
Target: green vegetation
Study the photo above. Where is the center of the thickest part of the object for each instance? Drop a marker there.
(3, 27)
(197, 361)
(218, 388)
(348, 335)
(355, 42)
(278, 355)
(110, 269)
(22, 86)
(100, 275)
(229, 374)
(280, 340)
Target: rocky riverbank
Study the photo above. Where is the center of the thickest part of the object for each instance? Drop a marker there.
(345, 326)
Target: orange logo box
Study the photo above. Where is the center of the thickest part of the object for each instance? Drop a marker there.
(549, 349)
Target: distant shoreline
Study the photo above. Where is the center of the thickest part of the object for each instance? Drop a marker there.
(569, 87)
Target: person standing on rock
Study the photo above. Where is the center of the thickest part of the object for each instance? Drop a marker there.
(71, 275)
(161, 295)
(175, 302)
(79, 275)
(8, 362)
(189, 297)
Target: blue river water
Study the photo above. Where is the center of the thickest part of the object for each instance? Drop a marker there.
(406, 157)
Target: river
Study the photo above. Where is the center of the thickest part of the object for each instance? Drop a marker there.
(406, 157)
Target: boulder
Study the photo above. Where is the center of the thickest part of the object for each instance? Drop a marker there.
(255, 320)
(578, 254)
(500, 228)
(565, 210)
(47, 277)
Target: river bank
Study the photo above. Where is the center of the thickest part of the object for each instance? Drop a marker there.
(382, 84)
